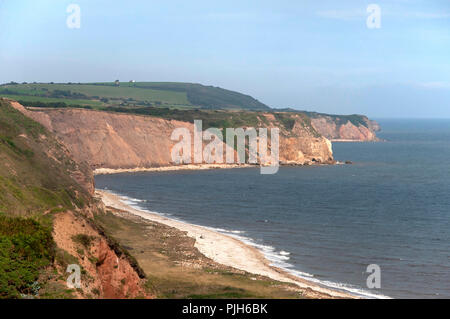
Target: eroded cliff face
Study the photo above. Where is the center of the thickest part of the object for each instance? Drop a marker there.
(342, 129)
(106, 273)
(303, 145)
(113, 140)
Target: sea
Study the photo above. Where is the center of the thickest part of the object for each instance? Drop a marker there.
(327, 224)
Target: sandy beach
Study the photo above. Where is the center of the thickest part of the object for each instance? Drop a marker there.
(104, 171)
(224, 249)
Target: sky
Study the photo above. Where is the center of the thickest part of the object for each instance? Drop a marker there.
(310, 55)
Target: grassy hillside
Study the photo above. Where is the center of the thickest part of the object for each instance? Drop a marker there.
(26, 247)
(35, 182)
(148, 94)
(170, 100)
(34, 168)
(38, 187)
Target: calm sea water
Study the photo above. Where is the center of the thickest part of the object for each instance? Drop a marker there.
(328, 223)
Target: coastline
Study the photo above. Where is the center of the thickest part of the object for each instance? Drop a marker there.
(226, 250)
(190, 167)
(107, 171)
(343, 140)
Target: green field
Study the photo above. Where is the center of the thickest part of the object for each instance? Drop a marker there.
(170, 100)
(27, 98)
(156, 94)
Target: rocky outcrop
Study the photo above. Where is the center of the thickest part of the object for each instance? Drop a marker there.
(302, 144)
(114, 140)
(345, 128)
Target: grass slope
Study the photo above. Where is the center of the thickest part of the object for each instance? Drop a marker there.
(35, 181)
(34, 168)
(26, 247)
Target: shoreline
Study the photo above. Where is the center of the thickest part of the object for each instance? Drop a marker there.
(226, 250)
(344, 140)
(186, 167)
(192, 167)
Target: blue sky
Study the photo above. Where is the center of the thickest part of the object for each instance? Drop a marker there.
(314, 55)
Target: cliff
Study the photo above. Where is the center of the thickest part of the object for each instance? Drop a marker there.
(47, 203)
(115, 140)
(182, 102)
(345, 127)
